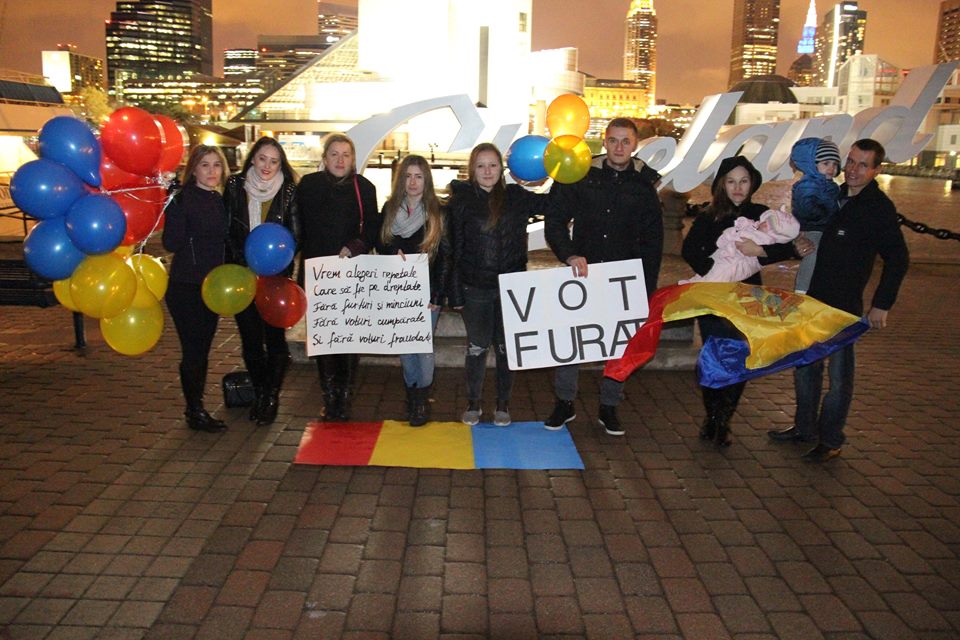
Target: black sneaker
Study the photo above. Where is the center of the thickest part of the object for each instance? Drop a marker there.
(609, 420)
(562, 414)
(791, 434)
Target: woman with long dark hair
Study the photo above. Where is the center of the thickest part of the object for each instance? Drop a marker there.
(732, 189)
(413, 222)
(489, 235)
(195, 231)
(263, 191)
(338, 207)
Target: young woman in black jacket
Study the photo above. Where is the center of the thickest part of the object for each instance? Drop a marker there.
(263, 191)
(195, 231)
(338, 208)
(732, 189)
(488, 222)
(414, 222)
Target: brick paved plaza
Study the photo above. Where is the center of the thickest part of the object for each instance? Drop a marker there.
(116, 522)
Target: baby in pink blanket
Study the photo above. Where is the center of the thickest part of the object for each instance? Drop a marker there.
(729, 264)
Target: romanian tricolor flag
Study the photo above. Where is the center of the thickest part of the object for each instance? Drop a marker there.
(782, 330)
(438, 445)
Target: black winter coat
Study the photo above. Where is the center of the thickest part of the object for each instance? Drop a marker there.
(195, 231)
(440, 265)
(480, 255)
(332, 216)
(863, 227)
(616, 216)
(283, 210)
(701, 240)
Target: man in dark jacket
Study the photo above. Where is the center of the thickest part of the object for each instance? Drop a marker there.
(865, 226)
(616, 215)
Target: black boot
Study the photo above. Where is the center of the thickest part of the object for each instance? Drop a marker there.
(191, 381)
(325, 370)
(257, 368)
(711, 403)
(345, 366)
(729, 399)
(276, 370)
(341, 404)
(418, 411)
(411, 402)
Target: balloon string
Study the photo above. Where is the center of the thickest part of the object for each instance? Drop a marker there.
(161, 183)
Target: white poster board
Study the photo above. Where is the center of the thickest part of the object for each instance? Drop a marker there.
(551, 318)
(368, 304)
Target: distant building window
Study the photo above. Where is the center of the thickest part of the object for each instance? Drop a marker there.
(523, 22)
(953, 140)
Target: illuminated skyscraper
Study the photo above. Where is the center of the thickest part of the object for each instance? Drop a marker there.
(756, 24)
(840, 36)
(239, 62)
(948, 32)
(640, 47)
(158, 39)
(806, 44)
(334, 21)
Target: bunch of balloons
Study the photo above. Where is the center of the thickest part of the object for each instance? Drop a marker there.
(230, 288)
(95, 200)
(566, 157)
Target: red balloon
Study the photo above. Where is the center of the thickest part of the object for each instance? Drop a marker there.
(280, 301)
(142, 208)
(131, 137)
(113, 177)
(171, 144)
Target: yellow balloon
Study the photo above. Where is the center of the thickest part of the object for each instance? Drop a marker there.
(153, 272)
(61, 289)
(567, 159)
(229, 289)
(568, 115)
(124, 250)
(103, 286)
(144, 296)
(134, 330)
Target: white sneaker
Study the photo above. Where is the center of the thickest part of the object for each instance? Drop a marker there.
(471, 417)
(501, 418)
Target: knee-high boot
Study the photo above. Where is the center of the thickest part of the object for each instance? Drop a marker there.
(712, 401)
(257, 368)
(729, 399)
(192, 381)
(328, 385)
(277, 366)
(346, 370)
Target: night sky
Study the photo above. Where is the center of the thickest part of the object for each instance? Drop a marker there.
(693, 49)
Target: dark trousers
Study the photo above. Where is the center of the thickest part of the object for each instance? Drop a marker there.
(196, 325)
(483, 319)
(825, 421)
(263, 346)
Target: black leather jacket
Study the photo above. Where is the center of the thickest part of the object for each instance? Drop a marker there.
(480, 254)
(283, 210)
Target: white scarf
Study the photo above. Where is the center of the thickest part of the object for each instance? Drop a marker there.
(258, 192)
(407, 222)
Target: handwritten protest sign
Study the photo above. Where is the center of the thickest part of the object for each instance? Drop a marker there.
(368, 304)
(552, 318)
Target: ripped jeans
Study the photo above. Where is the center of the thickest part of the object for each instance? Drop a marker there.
(483, 318)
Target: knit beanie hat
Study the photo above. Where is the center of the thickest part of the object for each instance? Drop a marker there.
(827, 150)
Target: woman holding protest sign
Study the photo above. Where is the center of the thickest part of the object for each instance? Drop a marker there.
(413, 222)
(195, 231)
(262, 192)
(733, 187)
(338, 208)
(488, 228)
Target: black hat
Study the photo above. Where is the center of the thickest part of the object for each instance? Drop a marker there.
(729, 164)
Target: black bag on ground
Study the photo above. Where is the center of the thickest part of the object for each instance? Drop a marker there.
(237, 389)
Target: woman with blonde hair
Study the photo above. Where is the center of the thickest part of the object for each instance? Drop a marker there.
(413, 222)
(263, 191)
(488, 230)
(195, 231)
(338, 208)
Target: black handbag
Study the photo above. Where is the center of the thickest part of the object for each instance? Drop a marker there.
(237, 389)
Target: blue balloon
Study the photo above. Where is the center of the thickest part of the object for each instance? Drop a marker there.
(45, 189)
(269, 249)
(49, 252)
(70, 142)
(96, 224)
(525, 158)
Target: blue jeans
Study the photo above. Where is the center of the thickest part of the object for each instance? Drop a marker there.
(826, 421)
(418, 367)
(483, 318)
